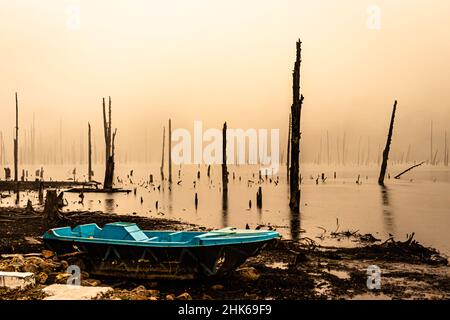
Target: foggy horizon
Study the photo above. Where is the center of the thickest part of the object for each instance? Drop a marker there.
(224, 62)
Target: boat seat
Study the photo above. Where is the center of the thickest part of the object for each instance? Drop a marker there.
(221, 232)
(151, 239)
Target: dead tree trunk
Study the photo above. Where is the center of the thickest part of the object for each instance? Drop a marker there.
(431, 143)
(296, 110)
(446, 151)
(328, 149)
(224, 159)
(388, 147)
(162, 158)
(289, 146)
(16, 143)
(170, 151)
(53, 205)
(110, 138)
(89, 153)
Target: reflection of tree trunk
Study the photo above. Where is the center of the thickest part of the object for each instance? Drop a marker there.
(110, 147)
(387, 212)
(388, 147)
(296, 109)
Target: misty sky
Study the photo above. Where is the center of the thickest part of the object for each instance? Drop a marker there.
(231, 61)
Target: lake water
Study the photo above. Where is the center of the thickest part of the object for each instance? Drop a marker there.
(419, 202)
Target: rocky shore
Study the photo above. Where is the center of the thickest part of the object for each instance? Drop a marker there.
(285, 270)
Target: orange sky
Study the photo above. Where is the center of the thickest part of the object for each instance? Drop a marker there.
(227, 60)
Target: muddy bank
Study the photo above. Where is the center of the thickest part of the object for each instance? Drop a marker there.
(284, 270)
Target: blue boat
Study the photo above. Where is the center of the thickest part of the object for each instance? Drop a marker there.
(123, 249)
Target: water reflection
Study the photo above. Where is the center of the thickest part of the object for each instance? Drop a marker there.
(225, 209)
(295, 225)
(109, 205)
(388, 215)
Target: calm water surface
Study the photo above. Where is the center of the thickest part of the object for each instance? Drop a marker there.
(419, 202)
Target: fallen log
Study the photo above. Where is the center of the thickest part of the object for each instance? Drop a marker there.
(407, 170)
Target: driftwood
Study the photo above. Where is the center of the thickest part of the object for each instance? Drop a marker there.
(387, 148)
(409, 169)
(296, 110)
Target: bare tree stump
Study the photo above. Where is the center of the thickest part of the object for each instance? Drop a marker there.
(53, 205)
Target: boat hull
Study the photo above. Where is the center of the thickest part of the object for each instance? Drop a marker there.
(147, 262)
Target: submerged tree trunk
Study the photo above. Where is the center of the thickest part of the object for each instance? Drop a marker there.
(162, 157)
(110, 147)
(388, 147)
(289, 147)
(89, 153)
(16, 143)
(296, 109)
(170, 151)
(224, 159)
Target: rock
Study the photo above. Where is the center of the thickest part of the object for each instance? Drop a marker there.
(206, 297)
(30, 267)
(34, 260)
(13, 280)
(84, 275)
(184, 296)
(62, 277)
(170, 297)
(64, 265)
(251, 296)
(153, 292)
(47, 254)
(139, 289)
(91, 283)
(248, 274)
(46, 267)
(41, 277)
(217, 287)
(69, 292)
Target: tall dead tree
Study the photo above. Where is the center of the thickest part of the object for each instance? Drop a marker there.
(224, 159)
(16, 143)
(170, 151)
(89, 153)
(296, 110)
(445, 150)
(328, 149)
(288, 147)
(162, 157)
(431, 143)
(110, 138)
(387, 148)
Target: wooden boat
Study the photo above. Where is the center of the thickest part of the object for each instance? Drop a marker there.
(124, 250)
